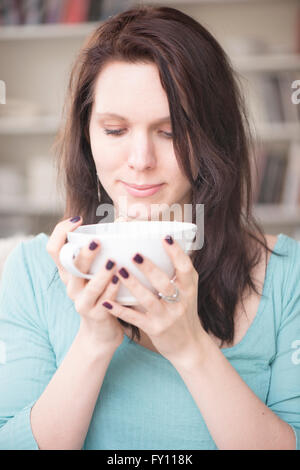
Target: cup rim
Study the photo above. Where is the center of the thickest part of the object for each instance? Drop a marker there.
(164, 225)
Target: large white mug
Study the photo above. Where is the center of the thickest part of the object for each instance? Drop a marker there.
(121, 241)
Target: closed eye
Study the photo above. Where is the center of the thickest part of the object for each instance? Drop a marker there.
(117, 132)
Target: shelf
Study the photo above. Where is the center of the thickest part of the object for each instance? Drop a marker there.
(277, 214)
(47, 31)
(27, 208)
(29, 125)
(267, 62)
(278, 132)
(248, 63)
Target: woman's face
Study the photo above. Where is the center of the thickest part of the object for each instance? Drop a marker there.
(130, 101)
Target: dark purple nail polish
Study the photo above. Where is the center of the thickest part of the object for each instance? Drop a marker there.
(169, 239)
(124, 273)
(107, 305)
(109, 264)
(75, 219)
(115, 279)
(93, 245)
(138, 258)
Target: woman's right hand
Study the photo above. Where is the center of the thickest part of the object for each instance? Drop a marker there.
(97, 325)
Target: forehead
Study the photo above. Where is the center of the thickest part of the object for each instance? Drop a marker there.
(123, 89)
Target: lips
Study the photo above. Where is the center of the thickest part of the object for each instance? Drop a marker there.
(142, 190)
(143, 186)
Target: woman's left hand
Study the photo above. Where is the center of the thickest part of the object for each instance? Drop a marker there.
(173, 327)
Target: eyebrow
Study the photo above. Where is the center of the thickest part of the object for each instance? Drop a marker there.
(164, 119)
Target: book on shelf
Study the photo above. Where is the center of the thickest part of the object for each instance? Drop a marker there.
(291, 111)
(272, 178)
(53, 11)
(258, 164)
(16, 12)
(112, 7)
(270, 97)
(278, 179)
(32, 11)
(75, 11)
(9, 13)
(298, 31)
(95, 11)
(291, 189)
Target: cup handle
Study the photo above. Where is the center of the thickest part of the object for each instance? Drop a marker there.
(67, 255)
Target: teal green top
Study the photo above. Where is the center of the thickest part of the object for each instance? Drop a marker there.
(143, 402)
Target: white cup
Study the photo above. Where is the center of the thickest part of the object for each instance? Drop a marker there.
(121, 241)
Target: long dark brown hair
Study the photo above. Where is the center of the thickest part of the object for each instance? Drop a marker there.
(210, 127)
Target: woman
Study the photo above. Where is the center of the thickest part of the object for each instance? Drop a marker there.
(153, 100)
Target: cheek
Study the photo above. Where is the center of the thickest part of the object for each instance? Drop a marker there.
(175, 174)
(180, 183)
(102, 153)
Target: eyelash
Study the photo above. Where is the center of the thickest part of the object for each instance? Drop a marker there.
(117, 132)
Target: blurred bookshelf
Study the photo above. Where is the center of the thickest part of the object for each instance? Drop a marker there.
(267, 62)
(47, 40)
(46, 31)
(178, 3)
(20, 125)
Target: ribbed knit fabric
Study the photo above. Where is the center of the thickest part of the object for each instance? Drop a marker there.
(143, 402)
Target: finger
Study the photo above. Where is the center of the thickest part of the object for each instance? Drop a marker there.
(128, 315)
(83, 262)
(144, 296)
(110, 291)
(158, 278)
(184, 268)
(90, 296)
(112, 288)
(64, 275)
(59, 237)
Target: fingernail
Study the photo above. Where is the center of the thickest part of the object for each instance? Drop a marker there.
(107, 305)
(75, 219)
(109, 264)
(169, 239)
(138, 258)
(115, 279)
(124, 273)
(93, 245)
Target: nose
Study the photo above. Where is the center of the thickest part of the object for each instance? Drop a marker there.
(142, 155)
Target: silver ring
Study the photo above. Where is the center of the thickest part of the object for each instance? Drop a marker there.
(170, 298)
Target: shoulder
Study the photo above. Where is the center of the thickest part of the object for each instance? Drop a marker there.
(36, 246)
(30, 256)
(285, 267)
(24, 287)
(280, 266)
(271, 240)
(284, 247)
(289, 248)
